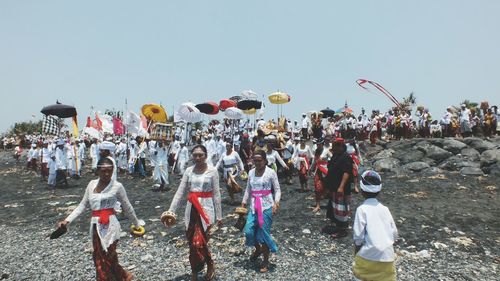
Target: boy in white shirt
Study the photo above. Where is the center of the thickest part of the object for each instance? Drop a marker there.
(52, 171)
(374, 233)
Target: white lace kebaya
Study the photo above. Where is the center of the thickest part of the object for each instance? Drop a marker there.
(206, 182)
(106, 199)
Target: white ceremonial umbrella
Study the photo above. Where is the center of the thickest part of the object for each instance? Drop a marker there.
(189, 113)
(234, 113)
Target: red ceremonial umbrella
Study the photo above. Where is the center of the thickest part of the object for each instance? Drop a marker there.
(226, 103)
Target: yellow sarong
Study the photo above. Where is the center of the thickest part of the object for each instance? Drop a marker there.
(367, 270)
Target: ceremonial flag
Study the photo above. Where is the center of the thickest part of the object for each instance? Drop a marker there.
(98, 122)
(118, 127)
(51, 125)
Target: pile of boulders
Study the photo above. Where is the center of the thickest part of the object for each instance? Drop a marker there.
(469, 156)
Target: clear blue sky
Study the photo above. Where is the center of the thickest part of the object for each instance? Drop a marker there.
(99, 53)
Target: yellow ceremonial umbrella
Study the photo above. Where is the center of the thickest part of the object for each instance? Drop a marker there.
(250, 111)
(279, 98)
(154, 112)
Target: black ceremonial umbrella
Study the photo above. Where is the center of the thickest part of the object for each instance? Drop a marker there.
(327, 112)
(59, 110)
(210, 108)
(249, 104)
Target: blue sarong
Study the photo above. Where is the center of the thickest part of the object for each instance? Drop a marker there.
(255, 234)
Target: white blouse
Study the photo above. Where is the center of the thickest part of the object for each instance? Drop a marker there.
(268, 181)
(114, 192)
(273, 156)
(206, 182)
(227, 161)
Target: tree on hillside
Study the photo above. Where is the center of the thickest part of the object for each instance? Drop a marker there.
(26, 128)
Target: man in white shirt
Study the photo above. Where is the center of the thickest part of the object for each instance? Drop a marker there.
(81, 153)
(32, 158)
(465, 127)
(44, 160)
(143, 147)
(182, 158)
(211, 146)
(306, 123)
(73, 160)
(94, 154)
(446, 122)
(173, 149)
(374, 233)
(61, 163)
(160, 162)
(121, 156)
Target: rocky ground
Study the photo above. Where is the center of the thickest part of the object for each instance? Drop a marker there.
(443, 195)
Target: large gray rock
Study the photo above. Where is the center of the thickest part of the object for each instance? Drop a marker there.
(470, 153)
(479, 144)
(432, 171)
(434, 152)
(416, 166)
(386, 165)
(373, 150)
(429, 161)
(450, 164)
(410, 155)
(494, 170)
(471, 171)
(457, 162)
(490, 156)
(437, 141)
(386, 153)
(405, 144)
(453, 145)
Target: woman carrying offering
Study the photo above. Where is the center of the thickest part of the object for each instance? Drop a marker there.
(272, 156)
(263, 189)
(320, 167)
(301, 157)
(101, 196)
(231, 162)
(201, 184)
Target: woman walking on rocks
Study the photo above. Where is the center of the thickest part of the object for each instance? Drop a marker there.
(201, 184)
(101, 196)
(231, 162)
(273, 156)
(320, 168)
(264, 190)
(302, 154)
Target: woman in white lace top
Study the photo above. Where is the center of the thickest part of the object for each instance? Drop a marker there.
(201, 184)
(232, 166)
(263, 190)
(101, 196)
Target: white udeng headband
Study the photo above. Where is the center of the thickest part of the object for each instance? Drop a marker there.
(105, 166)
(370, 188)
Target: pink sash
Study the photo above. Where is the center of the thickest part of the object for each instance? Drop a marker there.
(257, 194)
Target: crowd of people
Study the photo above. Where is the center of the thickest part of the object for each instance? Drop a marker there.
(264, 156)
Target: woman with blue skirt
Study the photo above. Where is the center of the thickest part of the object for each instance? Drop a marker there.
(263, 190)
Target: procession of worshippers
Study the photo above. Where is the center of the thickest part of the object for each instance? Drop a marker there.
(251, 159)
